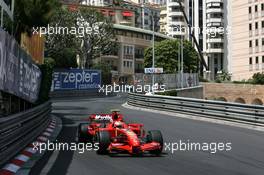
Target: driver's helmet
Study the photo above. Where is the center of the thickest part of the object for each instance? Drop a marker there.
(118, 124)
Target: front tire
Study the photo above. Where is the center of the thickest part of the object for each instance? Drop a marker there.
(83, 135)
(155, 136)
(103, 139)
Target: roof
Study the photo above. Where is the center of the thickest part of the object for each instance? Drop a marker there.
(135, 29)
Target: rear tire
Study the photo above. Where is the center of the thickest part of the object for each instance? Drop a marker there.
(103, 139)
(155, 136)
(83, 135)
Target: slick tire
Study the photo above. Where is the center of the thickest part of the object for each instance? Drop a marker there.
(103, 139)
(155, 136)
(83, 136)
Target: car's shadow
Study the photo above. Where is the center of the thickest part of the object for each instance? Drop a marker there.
(124, 155)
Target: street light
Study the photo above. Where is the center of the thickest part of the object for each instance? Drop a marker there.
(153, 52)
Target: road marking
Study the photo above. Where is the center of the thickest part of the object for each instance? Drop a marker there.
(200, 118)
(50, 162)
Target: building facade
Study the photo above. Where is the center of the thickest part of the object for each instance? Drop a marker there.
(129, 58)
(215, 36)
(176, 24)
(247, 38)
(132, 40)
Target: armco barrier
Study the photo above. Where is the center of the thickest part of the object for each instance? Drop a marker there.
(206, 108)
(17, 131)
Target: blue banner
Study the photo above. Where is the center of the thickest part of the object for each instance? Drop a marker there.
(76, 79)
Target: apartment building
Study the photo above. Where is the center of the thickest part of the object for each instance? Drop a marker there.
(176, 24)
(216, 36)
(247, 38)
(128, 59)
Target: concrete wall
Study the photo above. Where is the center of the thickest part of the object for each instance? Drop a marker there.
(194, 92)
(240, 93)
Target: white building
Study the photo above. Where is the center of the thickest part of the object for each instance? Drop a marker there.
(216, 38)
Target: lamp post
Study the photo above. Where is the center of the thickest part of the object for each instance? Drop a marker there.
(153, 53)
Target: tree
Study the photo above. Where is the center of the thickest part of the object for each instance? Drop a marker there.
(32, 13)
(100, 39)
(89, 34)
(64, 20)
(65, 58)
(105, 72)
(258, 78)
(166, 56)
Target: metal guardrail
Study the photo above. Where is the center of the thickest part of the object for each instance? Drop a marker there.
(199, 107)
(17, 131)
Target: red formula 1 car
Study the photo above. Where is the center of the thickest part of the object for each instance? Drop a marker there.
(113, 135)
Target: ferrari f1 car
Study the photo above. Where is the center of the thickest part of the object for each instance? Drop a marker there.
(113, 135)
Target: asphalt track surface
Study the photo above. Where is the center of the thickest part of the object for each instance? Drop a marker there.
(245, 158)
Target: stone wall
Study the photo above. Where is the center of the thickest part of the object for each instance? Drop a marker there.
(241, 93)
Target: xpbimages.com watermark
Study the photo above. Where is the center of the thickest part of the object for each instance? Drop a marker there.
(59, 30)
(59, 146)
(185, 146)
(115, 88)
(210, 31)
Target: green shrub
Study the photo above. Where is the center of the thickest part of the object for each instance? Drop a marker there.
(258, 78)
(47, 71)
(168, 93)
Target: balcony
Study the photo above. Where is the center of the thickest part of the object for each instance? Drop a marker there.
(215, 50)
(215, 10)
(215, 20)
(171, 4)
(215, 40)
(174, 13)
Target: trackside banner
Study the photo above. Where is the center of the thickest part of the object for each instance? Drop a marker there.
(76, 79)
(18, 75)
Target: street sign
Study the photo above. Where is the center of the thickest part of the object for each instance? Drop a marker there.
(153, 70)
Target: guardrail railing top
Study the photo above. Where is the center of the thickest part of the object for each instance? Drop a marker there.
(203, 101)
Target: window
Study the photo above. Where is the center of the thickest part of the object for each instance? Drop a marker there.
(262, 41)
(262, 7)
(250, 27)
(250, 43)
(249, 10)
(250, 60)
(256, 25)
(256, 8)
(257, 43)
(257, 60)
(262, 59)
(262, 24)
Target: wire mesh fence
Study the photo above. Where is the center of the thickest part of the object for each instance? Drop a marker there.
(171, 81)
